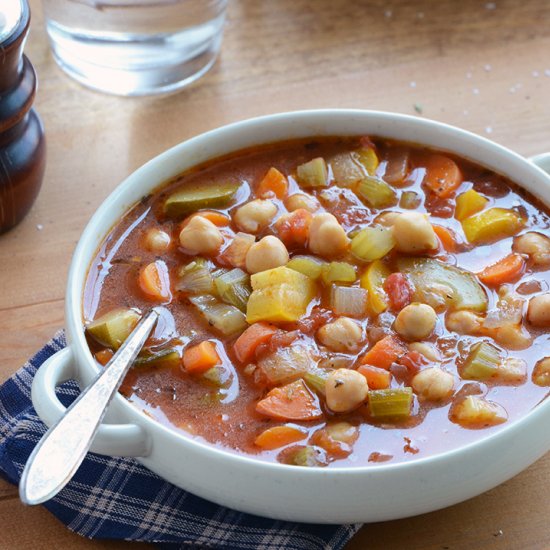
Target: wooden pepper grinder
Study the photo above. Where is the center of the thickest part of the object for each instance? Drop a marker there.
(22, 145)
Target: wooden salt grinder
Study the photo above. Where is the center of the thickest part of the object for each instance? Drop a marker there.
(22, 144)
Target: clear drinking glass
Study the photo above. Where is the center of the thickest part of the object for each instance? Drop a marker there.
(135, 47)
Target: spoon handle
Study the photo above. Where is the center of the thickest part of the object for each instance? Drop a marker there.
(63, 447)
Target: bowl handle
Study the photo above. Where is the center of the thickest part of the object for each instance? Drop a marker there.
(111, 439)
(542, 161)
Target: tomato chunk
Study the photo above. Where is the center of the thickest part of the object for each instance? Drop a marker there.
(293, 228)
(399, 291)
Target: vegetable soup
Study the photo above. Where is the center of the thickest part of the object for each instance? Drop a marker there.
(331, 301)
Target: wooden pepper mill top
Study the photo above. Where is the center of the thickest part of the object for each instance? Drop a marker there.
(22, 145)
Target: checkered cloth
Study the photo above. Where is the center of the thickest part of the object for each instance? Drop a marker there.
(117, 498)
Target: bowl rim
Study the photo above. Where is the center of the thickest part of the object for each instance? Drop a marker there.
(84, 253)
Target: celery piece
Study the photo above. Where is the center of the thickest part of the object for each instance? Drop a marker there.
(347, 170)
(376, 193)
(410, 200)
(316, 380)
(114, 327)
(234, 288)
(187, 200)
(469, 203)
(372, 243)
(163, 358)
(303, 455)
(217, 376)
(195, 278)
(345, 300)
(394, 402)
(492, 225)
(482, 362)
(338, 272)
(369, 159)
(313, 173)
(425, 273)
(307, 265)
(225, 318)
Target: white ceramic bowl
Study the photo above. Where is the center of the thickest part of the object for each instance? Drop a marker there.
(331, 495)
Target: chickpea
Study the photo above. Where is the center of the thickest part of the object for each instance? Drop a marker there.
(415, 321)
(534, 245)
(429, 351)
(326, 236)
(541, 372)
(345, 390)
(267, 253)
(255, 215)
(538, 313)
(386, 219)
(201, 236)
(464, 322)
(301, 200)
(413, 233)
(341, 335)
(156, 240)
(433, 384)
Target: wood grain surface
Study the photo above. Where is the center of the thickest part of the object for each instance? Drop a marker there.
(483, 66)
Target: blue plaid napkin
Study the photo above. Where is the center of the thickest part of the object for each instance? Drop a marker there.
(117, 498)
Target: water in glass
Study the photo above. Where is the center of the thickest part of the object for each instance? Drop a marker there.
(135, 47)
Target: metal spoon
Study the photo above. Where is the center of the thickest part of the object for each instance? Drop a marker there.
(63, 447)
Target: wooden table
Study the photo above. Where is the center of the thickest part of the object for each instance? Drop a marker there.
(484, 66)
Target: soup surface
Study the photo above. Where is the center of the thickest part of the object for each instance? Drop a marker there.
(331, 301)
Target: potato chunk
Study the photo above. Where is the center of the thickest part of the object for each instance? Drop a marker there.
(279, 295)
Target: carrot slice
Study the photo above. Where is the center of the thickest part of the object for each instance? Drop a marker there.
(443, 176)
(103, 356)
(383, 353)
(279, 436)
(506, 270)
(219, 219)
(273, 183)
(250, 339)
(377, 378)
(291, 402)
(293, 228)
(447, 238)
(200, 358)
(154, 281)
